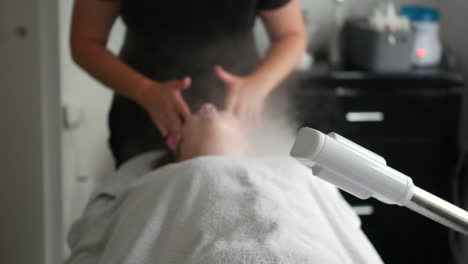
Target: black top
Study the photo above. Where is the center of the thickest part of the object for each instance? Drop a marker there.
(168, 40)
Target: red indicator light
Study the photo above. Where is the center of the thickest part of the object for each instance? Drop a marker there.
(421, 53)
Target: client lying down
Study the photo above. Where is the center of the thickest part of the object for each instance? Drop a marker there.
(218, 204)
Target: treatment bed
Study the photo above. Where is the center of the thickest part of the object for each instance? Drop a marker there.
(216, 209)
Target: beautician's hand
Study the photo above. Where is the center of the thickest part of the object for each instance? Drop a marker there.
(165, 104)
(244, 97)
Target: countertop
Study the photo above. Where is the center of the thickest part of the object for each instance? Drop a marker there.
(323, 75)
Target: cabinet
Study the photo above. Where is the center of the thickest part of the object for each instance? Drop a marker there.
(410, 119)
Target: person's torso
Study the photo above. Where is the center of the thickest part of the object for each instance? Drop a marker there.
(167, 40)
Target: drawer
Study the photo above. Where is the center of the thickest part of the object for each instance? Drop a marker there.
(418, 239)
(394, 116)
(398, 234)
(402, 236)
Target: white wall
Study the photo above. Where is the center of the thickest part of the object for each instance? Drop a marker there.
(85, 152)
(30, 204)
(319, 17)
(319, 13)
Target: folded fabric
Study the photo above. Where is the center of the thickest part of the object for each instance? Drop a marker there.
(219, 210)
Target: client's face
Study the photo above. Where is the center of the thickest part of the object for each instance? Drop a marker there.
(212, 132)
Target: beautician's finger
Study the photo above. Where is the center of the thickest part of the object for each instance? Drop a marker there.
(231, 100)
(172, 142)
(173, 122)
(160, 124)
(184, 84)
(226, 77)
(182, 107)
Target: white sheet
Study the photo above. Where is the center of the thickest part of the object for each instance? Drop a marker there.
(219, 210)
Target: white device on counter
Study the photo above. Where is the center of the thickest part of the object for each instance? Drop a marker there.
(425, 22)
(365, 174)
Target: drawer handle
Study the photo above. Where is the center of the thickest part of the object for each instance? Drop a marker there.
(356, 117)
(364, 209)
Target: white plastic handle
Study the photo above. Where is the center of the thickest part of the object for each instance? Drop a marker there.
(351, 167)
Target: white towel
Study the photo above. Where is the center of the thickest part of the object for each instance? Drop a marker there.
(220, 210)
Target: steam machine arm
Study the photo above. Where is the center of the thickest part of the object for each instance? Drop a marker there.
(365, 174)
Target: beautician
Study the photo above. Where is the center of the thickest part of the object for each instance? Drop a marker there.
(178, 55)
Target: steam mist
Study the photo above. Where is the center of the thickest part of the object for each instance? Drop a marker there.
(277, 131)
